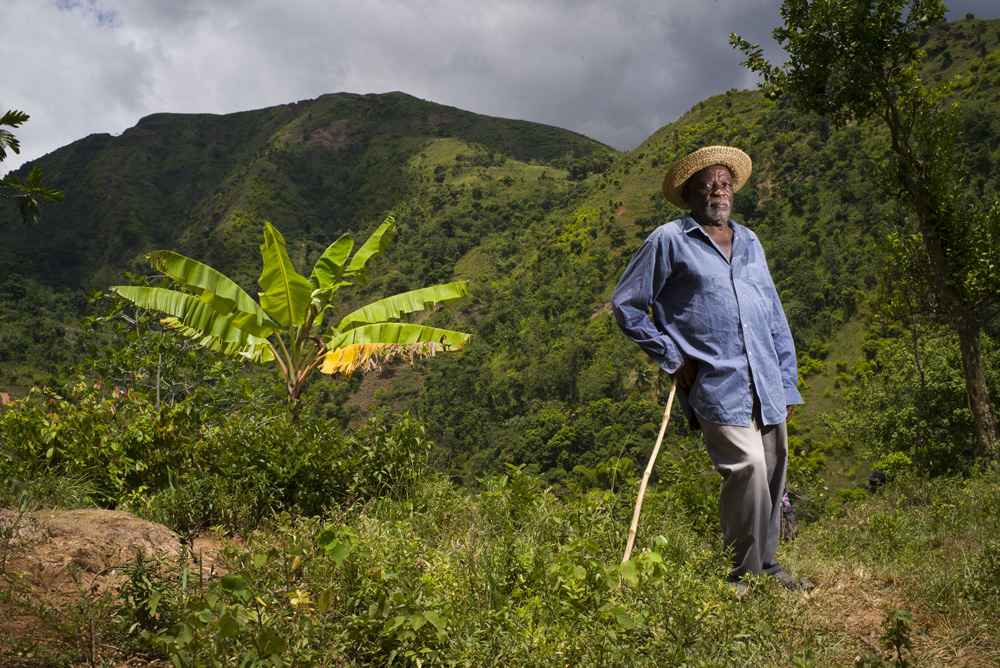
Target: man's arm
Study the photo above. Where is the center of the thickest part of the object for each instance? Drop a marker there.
(642, 281)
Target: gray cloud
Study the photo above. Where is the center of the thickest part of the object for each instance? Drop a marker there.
(613, 70)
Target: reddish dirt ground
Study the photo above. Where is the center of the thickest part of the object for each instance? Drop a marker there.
(59, 568)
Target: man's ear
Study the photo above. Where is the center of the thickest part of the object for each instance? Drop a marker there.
(686, 194)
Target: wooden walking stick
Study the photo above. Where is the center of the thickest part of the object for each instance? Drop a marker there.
(649, 470)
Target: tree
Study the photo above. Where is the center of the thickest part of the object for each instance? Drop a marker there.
(858, 60)
(287, 326)
(881, 415)
(27, 193)
(146, 355)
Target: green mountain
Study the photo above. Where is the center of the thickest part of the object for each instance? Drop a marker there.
(202, 183)
(539, 220)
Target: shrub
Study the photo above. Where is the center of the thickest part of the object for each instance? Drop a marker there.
(174, 466)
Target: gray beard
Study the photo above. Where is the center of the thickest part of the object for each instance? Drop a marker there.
(717, 216)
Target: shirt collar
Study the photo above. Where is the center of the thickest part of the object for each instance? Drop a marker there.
(741, 235)
(688, 224)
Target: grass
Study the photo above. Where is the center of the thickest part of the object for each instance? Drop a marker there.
(921, 545)
(508, 574)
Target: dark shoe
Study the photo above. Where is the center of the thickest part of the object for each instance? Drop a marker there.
(738, 587)
(793, 584)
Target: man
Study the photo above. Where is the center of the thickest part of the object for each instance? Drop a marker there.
(699, 299)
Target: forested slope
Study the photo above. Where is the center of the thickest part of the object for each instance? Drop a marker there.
(201, 183)
(540, 221)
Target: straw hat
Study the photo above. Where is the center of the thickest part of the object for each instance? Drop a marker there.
(737, 161)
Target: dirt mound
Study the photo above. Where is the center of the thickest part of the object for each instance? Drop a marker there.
(64, 560)
(48, 542)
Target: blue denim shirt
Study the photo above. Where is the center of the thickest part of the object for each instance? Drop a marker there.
(681, 297)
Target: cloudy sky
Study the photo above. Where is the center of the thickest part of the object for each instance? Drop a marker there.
(614, 70)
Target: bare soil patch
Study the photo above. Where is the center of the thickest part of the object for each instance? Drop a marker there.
(60, 564)
(333, 135)
(443, 117)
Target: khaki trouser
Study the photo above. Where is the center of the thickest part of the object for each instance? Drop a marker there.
(752, 461)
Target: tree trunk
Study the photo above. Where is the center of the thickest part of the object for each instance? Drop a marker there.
(967, 325)
(923, 384)
(983, 423)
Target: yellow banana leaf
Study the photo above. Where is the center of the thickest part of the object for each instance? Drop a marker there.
(369, 345)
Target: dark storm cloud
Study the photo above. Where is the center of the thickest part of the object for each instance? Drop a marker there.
(613, 70)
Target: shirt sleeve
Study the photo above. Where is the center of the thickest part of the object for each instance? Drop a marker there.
(643, 279)
(785, 347)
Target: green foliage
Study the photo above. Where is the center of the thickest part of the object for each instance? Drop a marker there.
(29, 191)
(891, 404)
(507, 576)
(692, 487)
(190, 467)
(983, 586)
(41, 341)
(248, 469)
(936, 535)
(114, 441)
(906, 284)
(611, 475)
(510, 574)
(131, 349)
(860, 60)
(316, 169)
(895, 637)
(14, 495)
(482, 202)
(845, 57)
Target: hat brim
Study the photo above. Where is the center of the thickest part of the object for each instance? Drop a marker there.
(738, 163)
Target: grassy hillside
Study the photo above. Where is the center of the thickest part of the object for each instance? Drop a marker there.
(550, 371)
(203, 185)
(539, 220)
(420, 571)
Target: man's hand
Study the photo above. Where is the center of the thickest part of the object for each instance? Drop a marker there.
(686, 372)
(788, 413)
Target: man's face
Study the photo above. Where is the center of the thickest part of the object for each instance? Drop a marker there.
(710, 194)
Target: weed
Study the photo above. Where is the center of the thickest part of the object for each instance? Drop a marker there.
(895, 638)
(16, 495)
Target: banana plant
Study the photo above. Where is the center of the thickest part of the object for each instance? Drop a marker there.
(286, 326)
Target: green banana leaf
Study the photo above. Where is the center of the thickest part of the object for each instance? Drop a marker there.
(326, 276)
(257, 351)
(391, 308)
(329, 267)
(376, 245)
(286, 294)
(216, 289)
(188, 310)
(399, 333)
